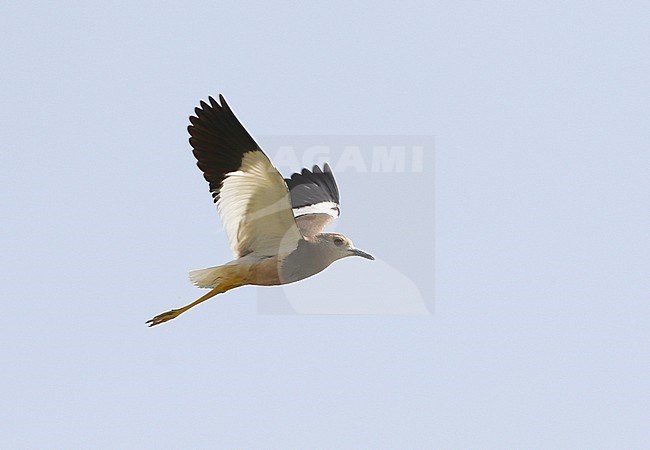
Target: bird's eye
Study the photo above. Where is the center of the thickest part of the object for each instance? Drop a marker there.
(338, 241)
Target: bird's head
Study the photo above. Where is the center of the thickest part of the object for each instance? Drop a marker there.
(340, 246)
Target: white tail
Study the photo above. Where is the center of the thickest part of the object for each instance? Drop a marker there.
(213, 276)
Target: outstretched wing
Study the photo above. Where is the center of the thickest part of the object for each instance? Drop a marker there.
(314, 199)
(251, 195)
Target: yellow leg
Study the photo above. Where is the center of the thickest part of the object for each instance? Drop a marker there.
(169, 315)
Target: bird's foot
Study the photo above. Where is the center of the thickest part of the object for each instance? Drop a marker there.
(164, 317)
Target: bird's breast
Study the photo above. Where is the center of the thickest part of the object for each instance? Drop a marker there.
(303, 262)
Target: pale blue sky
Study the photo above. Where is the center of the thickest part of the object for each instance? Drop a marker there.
(540, 320)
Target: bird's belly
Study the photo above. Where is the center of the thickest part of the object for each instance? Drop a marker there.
(265, 272)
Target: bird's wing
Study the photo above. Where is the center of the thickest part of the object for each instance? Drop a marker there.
(314, 199)
(251, 195)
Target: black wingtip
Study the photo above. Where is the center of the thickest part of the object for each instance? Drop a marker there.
(210, 105)
(219, 141)
(312, 187)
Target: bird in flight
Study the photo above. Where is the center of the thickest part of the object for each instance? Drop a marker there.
(274, 225)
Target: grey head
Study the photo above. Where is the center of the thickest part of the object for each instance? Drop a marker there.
(336, 246)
